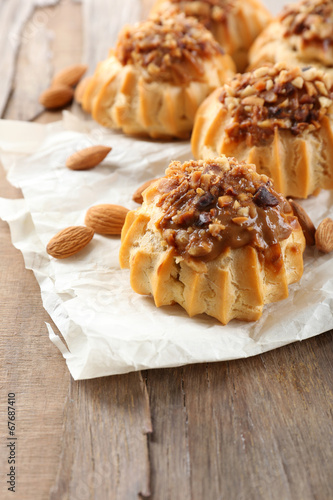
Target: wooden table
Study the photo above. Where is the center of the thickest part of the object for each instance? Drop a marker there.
(259, 428)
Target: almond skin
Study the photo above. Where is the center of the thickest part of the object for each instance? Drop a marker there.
(69, 241)
(87, 158)
(324, 235)
(137, 196)
(81, 88)
(106, 218)
(305, 222)
(56, 96)
(70, 76)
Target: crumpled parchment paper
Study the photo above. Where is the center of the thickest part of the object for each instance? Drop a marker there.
(108, 328)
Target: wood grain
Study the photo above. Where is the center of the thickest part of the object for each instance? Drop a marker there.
(169, 442)
(105, 453)
(13, 17)
(267, 414)
(108, 18)
(32, 368)
(33, 75)
(258, 428)
(35, 67)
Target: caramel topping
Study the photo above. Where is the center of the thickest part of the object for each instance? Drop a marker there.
(168, 48)
(310, 19)
(276, 97)
(206, 11)
(210, 206)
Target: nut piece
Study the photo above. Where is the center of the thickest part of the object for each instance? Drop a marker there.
(69, 241)
(264, 198)
(137, 196)
(70, 76)
(324, 235)
(106, 218)
(81, 88)
(87, 158)
(305, 222)
(56, 96)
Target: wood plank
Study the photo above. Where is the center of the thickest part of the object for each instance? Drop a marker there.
(35, 67)
(13, 17)
(258, 428)
(108, 18)
(262, 428)
(104, 451)
(169, 444)
(32, 368)
(32, 77)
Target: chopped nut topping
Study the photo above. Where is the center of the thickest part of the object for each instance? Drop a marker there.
(239, 207)
(310, 19)
(169, 48)
(206, 11)
(296, 100)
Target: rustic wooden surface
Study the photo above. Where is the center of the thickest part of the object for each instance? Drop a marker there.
(259, 428)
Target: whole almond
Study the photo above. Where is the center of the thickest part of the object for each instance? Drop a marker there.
(70, 76)
(81, 88)
(69, 241)
(137, 196)
(324, 235)
(56, 96)
(305, 222)
(106, 218)
(87, 158)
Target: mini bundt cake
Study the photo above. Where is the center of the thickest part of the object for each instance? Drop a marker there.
(215, 237)
(157, 76)
(302, 35)
(235, 24)
(277, 117)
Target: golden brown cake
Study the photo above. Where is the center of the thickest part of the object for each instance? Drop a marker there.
(157, 76)
(215, 237)
(278, 118)
(301, 35)
(234, 23)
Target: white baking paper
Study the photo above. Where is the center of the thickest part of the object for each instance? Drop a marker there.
(108, 328)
